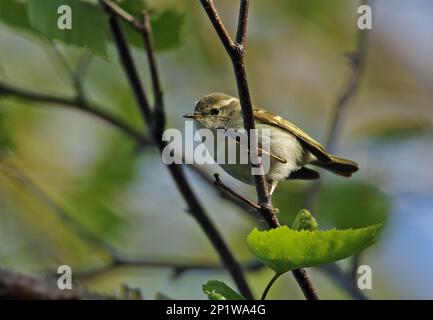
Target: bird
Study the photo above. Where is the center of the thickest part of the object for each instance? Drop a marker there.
(291, 149)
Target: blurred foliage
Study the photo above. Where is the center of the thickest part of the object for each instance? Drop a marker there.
(347, 204)
(6, 142)
(14, 14)
(325, 17)
(283, 249)
(391, 129)
(89, 24)
(353, 205)
(95, 203)
(218, 290)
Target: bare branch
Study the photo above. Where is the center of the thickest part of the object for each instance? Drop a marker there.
(218, 25)
(219, 183)
(158, 110)
(23, 94)
(128, 64)
(118, 11)
(241, 33)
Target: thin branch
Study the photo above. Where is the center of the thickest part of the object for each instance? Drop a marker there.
(158, 110)
(76, 75)
(236, 53)
(126, 16)
(128, 64)
(24, 94)
(218, 25)
(195, 207)
(221, 185)
(207, 178)
(241, 33)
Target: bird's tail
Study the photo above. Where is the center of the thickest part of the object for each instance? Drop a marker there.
(340, 166)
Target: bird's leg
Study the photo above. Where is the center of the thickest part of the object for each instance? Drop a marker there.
(272, 186)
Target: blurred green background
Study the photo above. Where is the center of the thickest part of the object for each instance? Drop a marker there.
(297, 67)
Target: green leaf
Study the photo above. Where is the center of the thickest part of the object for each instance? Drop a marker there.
(218, 290)
(166, 25)
(284, 249)
(167, 29)
(89, 26)
(14, 14)
(305, 221)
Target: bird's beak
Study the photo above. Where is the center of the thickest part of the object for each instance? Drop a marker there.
(192, 115)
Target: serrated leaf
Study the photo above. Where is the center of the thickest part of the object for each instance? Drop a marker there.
(89, 26)
(218, 290)
(284, 249)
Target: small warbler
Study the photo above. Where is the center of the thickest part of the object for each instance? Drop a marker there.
(291, 149)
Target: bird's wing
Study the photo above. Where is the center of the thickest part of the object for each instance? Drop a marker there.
(307, 142)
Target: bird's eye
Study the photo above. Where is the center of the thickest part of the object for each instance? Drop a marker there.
(214, 111)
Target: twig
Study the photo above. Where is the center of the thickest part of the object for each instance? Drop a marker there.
(15, 92)
(241, 33)
(221, 185)
(76, 75)
(195, 207)
(158, 111)
(236, 52)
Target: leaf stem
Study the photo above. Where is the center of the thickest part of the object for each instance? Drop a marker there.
(269, 285)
